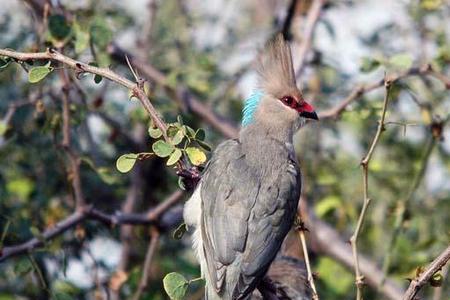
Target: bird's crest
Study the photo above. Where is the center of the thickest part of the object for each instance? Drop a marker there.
(275, 69)
(276, 76)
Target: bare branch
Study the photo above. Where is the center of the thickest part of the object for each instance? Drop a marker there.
(356, 93)
(181, 95)
(90, 213)
(417, 283)
(147, 263)
(301, 234)
(333, 245)
(365, 165)
(306, 38)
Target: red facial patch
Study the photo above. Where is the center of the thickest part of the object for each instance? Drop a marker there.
(300, 107)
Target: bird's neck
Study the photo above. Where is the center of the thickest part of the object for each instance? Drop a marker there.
(266, 146)
(258, 132)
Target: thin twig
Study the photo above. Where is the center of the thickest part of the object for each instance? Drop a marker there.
(356, 93)
(81, 67)
(331, 244)
(153, 244)
(365, 165)
(306, 38)
(88, 213)
(417, 283)
(404, 203)
(301, 234)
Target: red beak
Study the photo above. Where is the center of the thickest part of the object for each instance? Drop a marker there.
(307, 111)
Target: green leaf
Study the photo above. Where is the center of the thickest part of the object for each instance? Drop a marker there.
(196, 155)
(175, 285)
(126, 162)
(181, 183)
(368, 64)
(58, 27)
(37, 233)
(36, 74)
(97, 78)
(180, 120)
(162, 149)
(401, 61)
(172, 130)
(81, 39)
(326, 205)
(3, 128)
(200, 134)
(190, 132)
(178, 137)
(23, 267)
(106, 175)
(101, 35)
(154, 132)
(174, 157)
(4, 62)
(204, 145)
(180, 231)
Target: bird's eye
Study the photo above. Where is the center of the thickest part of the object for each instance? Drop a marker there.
(288, 100)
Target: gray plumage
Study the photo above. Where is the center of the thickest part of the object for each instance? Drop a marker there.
(247, 198)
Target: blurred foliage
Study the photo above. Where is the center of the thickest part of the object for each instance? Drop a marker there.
(110, 130)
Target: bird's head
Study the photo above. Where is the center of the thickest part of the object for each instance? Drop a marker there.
(277, 101)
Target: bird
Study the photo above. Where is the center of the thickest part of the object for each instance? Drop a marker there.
(246, 200)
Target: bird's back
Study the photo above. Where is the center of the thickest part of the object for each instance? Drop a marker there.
(247, 208)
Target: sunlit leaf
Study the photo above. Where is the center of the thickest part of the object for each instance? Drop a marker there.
(174, 157)
(3, 128)
(196, 156)
(178, 137)
(326, 205)
(401, 61)
(36, 74)
(81, 38)
(126, 162)
(154, 132)
(175, 285)
(436, 280)
(162, 149)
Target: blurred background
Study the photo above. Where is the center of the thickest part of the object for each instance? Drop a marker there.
(198, 57)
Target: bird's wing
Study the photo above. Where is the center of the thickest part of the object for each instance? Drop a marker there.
(270, 221)
(230, 188)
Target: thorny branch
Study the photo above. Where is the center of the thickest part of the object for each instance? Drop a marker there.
(81, 67)
(300, 227)
(365, 165)
(90, 213)
(417, 283)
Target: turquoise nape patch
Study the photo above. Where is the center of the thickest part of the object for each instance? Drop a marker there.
(250, 106)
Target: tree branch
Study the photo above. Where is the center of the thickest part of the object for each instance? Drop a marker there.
(417, 283)
(356, 93)
(365, 165)
(156, 218)
(306, 38)
(81, 67)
